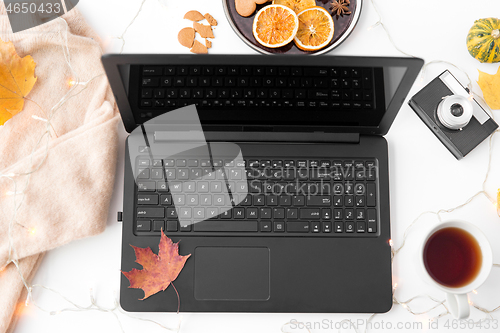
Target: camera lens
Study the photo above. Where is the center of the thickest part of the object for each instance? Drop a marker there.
(454, 112)
(457, 110)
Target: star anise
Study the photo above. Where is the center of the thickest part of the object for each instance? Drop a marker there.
(339, 7)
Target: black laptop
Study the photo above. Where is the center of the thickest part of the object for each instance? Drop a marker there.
(306, 228)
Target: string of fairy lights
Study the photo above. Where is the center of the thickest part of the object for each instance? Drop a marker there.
(76, 87)
(436, 303)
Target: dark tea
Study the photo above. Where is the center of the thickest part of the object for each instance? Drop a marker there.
(452, 257)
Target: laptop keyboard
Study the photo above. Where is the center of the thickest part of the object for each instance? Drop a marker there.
(292, 197)
(248, 86)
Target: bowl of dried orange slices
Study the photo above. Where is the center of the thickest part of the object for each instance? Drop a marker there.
(293, 26)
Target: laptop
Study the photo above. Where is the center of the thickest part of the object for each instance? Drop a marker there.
(284, 161)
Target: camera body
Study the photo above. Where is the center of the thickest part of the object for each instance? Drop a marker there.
(445, 106)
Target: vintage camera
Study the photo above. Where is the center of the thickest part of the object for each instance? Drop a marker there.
(446, 107)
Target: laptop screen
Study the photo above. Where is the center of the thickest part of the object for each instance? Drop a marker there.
(340, 93)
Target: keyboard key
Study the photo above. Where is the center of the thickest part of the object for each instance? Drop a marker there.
(371, 195)
(258, 71)
(211, 212)
(318, 94)
(158, 225)
(296, 71)
(185, 226)
(150, 82)
(182, 70)
(278, 213)
(297, 226)
(208, 70)
(171, 213)
(319, 200)
(360, 227)
(266, 226)
(316, 227)
(226, 215)
(146, 103)
(166, 199)
(185, 213)
(146, 186)
(259, 200)
(172, 226)
(298, 200)
(150, 212)
(143, 174)
(327, 227)
(310, 214)
(285, 200)
(265, 213)
(152, 70)
(292, 213)
(349, 227)
(367, 78)
(147, 199)
(339, 227)
(194, 70)
(359, 189)
(279, 227)
(360, 174)
(271, 200)
(226, 226)
(239, 213)
(156, 173)
(143, 225)
(371, 215)
(252, 213)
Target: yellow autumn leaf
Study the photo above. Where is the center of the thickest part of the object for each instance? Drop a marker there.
(17, 78)
(490, 85)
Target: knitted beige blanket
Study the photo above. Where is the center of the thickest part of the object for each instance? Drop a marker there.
(68, 194)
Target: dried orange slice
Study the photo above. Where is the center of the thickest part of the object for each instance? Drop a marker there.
(275, 26)
(296, 5)
(315, 29)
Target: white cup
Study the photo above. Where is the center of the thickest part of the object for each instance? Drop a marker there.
(458, 303)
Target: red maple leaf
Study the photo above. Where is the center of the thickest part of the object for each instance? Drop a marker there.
(158, 270)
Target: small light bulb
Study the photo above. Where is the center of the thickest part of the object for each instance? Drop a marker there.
(474, 291)
(395, 286)
(39, 118)
(71, 82)
(32, 231)
(404, 305)
(390, 242)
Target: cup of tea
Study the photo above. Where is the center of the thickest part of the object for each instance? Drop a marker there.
(456, 257)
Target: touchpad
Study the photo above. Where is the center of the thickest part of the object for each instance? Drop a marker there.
(231, 273)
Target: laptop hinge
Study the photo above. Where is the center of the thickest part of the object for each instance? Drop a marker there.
(309, 137)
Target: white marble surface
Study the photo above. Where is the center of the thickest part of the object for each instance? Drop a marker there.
(423, 174)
